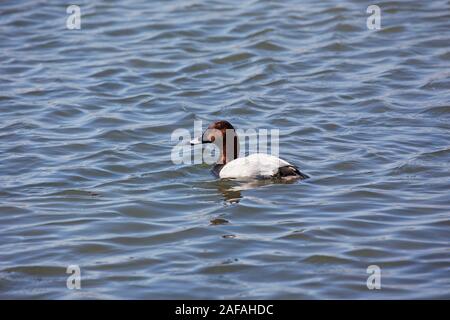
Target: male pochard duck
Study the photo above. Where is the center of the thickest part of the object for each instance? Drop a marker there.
(257, 165)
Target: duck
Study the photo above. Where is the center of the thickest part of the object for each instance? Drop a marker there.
(230, 166)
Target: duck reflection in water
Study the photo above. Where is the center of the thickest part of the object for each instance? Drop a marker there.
(231, 189)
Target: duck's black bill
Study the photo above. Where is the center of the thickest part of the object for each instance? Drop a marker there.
(198, 140)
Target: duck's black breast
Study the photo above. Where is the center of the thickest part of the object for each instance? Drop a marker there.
(216, 169)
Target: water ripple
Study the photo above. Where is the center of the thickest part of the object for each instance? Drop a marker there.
(85, 170)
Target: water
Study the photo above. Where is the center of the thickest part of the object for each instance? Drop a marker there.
(85, 139)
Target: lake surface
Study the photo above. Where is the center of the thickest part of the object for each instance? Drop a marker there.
(86, 176)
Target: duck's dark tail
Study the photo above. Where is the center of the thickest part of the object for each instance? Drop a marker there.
(290, 172)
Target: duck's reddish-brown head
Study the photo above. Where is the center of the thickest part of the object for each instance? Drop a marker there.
(224, 136)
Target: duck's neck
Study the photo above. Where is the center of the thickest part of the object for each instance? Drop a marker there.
(229, 151)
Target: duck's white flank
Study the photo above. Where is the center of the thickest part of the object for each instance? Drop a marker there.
(255, 165)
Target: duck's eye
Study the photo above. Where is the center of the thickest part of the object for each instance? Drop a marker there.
(211, 134)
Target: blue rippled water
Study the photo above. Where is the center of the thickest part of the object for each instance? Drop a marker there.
(86, 176)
